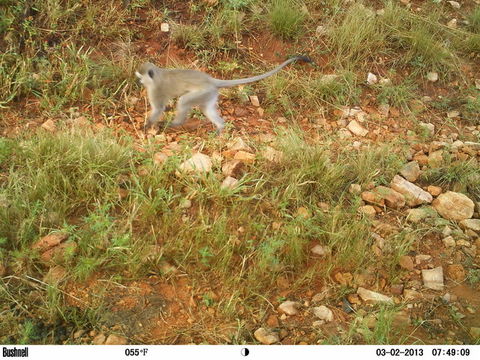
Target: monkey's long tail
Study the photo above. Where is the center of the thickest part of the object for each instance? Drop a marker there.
(230, 83)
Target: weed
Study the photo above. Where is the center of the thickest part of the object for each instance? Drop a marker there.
(398, 95)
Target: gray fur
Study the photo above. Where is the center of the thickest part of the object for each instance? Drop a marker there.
(194, 88)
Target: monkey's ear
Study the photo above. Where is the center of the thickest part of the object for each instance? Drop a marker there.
(150, 73)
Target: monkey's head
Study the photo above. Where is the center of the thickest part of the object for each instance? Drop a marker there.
(146, 73)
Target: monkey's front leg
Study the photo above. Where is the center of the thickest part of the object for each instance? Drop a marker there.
(153, 118)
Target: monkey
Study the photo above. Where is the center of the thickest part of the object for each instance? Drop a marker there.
(194, 88)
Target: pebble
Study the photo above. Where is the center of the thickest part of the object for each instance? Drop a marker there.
(433, 278)
(414, 195)
(368, 295)
(289, 307)
(266, 337)
(323, 313)
(454, 206)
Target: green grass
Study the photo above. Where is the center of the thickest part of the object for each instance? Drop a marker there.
(286, 18)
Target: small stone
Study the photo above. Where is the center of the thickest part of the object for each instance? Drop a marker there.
(303, 212)
(393, 199)
(372, 79)
(372, 296)
(320, 30)
(344, 279)
(462, 242)
(354, 299)
(406, 262)
(452, 24)
(434, 190)
(432, 76)
(78, 334)
(433, 278)
(245, 156)
(266, 337)
(320, 250)
(50, 241)
(411, 171)
(414, 195)
(448, 242)
(49, 125)
(229, 183)
(435, 159)
(185, 203)
(446, 231)
(238, 144)
(429, 128)
(323, 313)
(254, 100)
(472, 224)
(99, 339)
(289, 307)
(384, 109)
(419, 214)
(456, 272)
(198, 163)
(233, 168)
(397, 289)
(164, 27)
(454, 4)
(115, 340)
(273, 155)
(357, 129)
(454, 206)
(368, 210)
(411, 295)
(475, 332)
(272, 321)
(55, 275)
(355, 189)
(422, 258)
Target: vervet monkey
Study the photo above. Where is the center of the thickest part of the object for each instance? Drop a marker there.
(195, 88)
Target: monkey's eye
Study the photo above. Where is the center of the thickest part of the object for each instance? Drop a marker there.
(150, 73)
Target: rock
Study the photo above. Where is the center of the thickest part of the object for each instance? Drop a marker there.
(58, 252)
(397, 289)
(303, 212)
(254, 100)
(344, 279)
(373, 198)
(50, 241)
(185, 203)
(411, 171)
(454, 4)
(433, 278)
(164, 27)
(355, 189)
(321, 30)
(229, 183)
(55, 275)
(272, 321)
(273, 155)
(372, 79)
(289, 307)
(452, 24)
(49, 125)
(233, 168)
(410, 295)
(419, 214)
(472, 224)
(99, 339)
(384, 109)
(406, 262)
(245, 156)
(448, 242)
(115, 340)
(432, 76)
(198, 163)
(321, 250)
(323, 313)
(422, 258)
(78, 334)
(414, 195)
(159, 158)
(391, 197)
(475, 332)
(372, 296)
(266, 337)
(435, 159)
(456, 272)
(454, 206)
(238, 144)
(429, 128)
(319, 297)
(434, 190)
(356, 128)
(368, 210)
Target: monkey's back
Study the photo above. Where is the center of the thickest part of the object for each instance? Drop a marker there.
(180, 81)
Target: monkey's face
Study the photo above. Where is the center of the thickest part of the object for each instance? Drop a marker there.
(145, 74)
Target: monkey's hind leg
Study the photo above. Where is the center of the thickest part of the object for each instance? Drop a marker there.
(210, 110)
